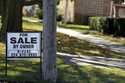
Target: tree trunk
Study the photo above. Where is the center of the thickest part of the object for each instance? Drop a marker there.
(3, 20)
(49, 41)
(11, 17)
(14, 16)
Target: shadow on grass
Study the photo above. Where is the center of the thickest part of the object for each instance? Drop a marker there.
(71, 45)
(88, 74)
(21, 70)
(29, 72)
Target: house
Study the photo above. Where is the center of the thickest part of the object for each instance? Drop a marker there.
(118, 10)
(78, 11)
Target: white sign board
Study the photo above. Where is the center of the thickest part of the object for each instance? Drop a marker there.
(23, 44)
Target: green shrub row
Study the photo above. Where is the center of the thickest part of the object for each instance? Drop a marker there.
(115, 26)
(97, 23)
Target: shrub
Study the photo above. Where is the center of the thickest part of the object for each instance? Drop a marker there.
(59, 17)
(113, 26)
(98, 23)
(40, 13)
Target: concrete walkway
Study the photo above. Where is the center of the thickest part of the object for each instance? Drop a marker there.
(100, 62)
(92, 39)
(96, 61)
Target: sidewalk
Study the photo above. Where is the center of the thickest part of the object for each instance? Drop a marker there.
(92, 39)
(101, 62)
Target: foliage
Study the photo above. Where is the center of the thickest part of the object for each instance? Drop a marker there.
(39, 13)
(113, 26)
(116, 26)
(97, 23)
(59, 17)
(58, 1)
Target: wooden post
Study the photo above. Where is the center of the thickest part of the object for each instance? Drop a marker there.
(49, 41)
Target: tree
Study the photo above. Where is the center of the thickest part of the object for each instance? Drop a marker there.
(14, 16)
(49, 41)
(3, 14)
(11, 17)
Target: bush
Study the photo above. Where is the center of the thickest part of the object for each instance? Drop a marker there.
(98, 23)
(59, 17)
(40, 13)
(113, 26)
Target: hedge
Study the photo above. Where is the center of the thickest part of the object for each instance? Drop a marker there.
(115, 26)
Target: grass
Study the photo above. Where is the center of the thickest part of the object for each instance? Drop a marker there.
(20, 70)
(85, 29)
(111, 38)
(89, 74)
(29, 69)
(32, 26)
(72, 45)
(30, 17)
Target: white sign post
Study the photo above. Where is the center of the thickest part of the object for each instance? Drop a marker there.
(23, 45)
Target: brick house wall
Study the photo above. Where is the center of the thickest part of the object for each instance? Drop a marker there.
(78, 10)
(86, 8)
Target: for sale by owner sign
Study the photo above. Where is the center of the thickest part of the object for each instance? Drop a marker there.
(23, 44)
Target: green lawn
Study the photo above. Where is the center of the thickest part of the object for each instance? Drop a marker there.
(72, 45)
(89, 74)
(29, 26)
(85, 29)
(111, 38)
(30, 17)
(29, 70)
